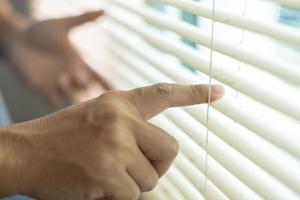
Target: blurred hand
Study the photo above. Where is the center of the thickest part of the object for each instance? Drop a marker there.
(100, 149)
(45, 57)
(5, 9)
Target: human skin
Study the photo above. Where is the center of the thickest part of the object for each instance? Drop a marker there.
(43, 54)
(104, 148)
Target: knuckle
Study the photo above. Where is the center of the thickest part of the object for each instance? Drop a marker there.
(165, 89)
(120, 143)
(113, 114)
(91, 117)
(107, 162)
(109, 114)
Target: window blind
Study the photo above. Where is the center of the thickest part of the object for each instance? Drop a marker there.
(245, 146)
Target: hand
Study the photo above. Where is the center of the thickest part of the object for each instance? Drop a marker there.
(45, 57)
(101, 149)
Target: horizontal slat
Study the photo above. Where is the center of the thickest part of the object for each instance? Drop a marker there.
(226, 182)
(284, 103)
(295, 4)
(260, 181)
(151, 55)
(170, 189)
(198, 178)
(183, 184)
(280, 32)
(159, 193)
(286, 137)
(273, 65)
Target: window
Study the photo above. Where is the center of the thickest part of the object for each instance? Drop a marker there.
(245, 146)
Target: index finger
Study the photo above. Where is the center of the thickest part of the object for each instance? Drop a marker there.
(150, 101)
(70, 22)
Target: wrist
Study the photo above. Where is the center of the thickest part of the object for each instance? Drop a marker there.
(12, 149)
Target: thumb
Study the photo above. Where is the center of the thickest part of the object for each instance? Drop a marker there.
(150, 101)
(70, 22)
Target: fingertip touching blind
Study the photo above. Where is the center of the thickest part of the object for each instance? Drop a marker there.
(243, 147)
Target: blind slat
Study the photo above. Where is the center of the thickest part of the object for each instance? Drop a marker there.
(183, 184)
(272, 65)
(274, 31)
(198, 178)
(172, 191)
(155, 194)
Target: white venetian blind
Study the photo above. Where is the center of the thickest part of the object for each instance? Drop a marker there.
(247, 145)
(243, 147)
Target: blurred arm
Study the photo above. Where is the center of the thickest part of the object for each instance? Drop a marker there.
(10, 19)
(10, 22)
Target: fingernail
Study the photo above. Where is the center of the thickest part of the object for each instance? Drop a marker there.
(217, 89)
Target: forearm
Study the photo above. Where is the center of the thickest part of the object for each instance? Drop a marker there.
(11, 146)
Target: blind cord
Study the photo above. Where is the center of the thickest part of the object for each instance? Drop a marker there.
(209, 99)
